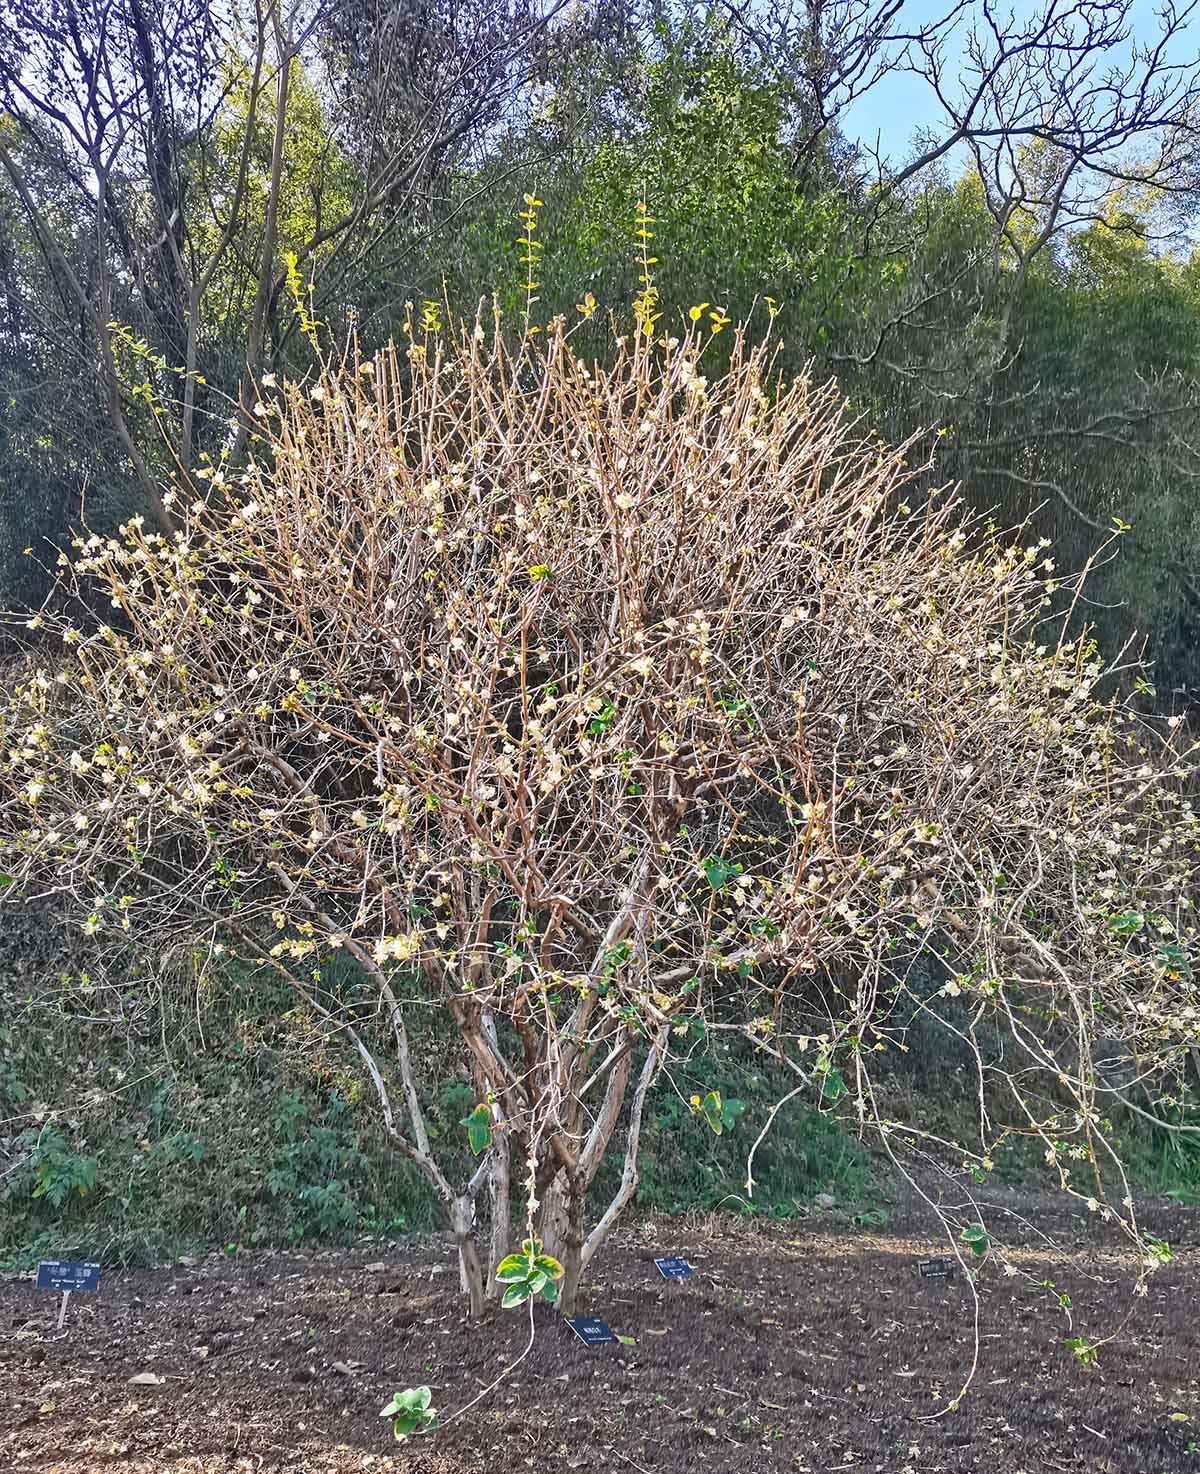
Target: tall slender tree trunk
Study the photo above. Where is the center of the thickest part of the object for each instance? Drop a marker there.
(500, 1202)
(470, 1266)
(560, 1228)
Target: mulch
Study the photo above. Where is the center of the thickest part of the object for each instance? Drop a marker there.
(813, 1346)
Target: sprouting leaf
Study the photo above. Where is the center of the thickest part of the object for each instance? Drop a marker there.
(1085, 1352)
(627, 1340)
(540, 571)
(1126, 923)
(410, 1411)
(718, 871)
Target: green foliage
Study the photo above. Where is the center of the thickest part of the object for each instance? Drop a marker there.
(248, 1130)
(718, 871)
(60, 1172)
(411, 1411)
(1085, 1352)
(721, 1115)
(684, 1169)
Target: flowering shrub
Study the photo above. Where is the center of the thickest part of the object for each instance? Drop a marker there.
(601, 708)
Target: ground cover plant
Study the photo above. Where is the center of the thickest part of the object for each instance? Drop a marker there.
(601, 709)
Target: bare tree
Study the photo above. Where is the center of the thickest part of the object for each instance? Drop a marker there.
(172, 128)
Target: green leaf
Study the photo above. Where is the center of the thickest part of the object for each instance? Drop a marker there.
(975, 1237)
(512, 1267)
(711, 1108)
(627, 1340)
(550, 1267)
(550, 1291)
(1126, 924)
(515, 1295)
(716, 872)
(833, 1087)
(1173, 957)
(479, 1129)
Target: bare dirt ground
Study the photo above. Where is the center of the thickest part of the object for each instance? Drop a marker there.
(814, 1346)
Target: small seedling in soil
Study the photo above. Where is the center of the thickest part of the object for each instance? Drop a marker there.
(410, 1412)
(529, 1273)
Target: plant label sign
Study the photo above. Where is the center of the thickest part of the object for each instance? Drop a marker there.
(67, 1276)
(937, 1268)
(591, 1330)
(674, 1269)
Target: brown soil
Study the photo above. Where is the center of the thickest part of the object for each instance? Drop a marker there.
(815, 1347)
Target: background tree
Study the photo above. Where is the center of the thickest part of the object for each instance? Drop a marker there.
(198, 149)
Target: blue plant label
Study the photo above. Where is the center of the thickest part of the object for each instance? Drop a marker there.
(674, 1269)
(68, 1274)
(938, 1268)
(591, 1330)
